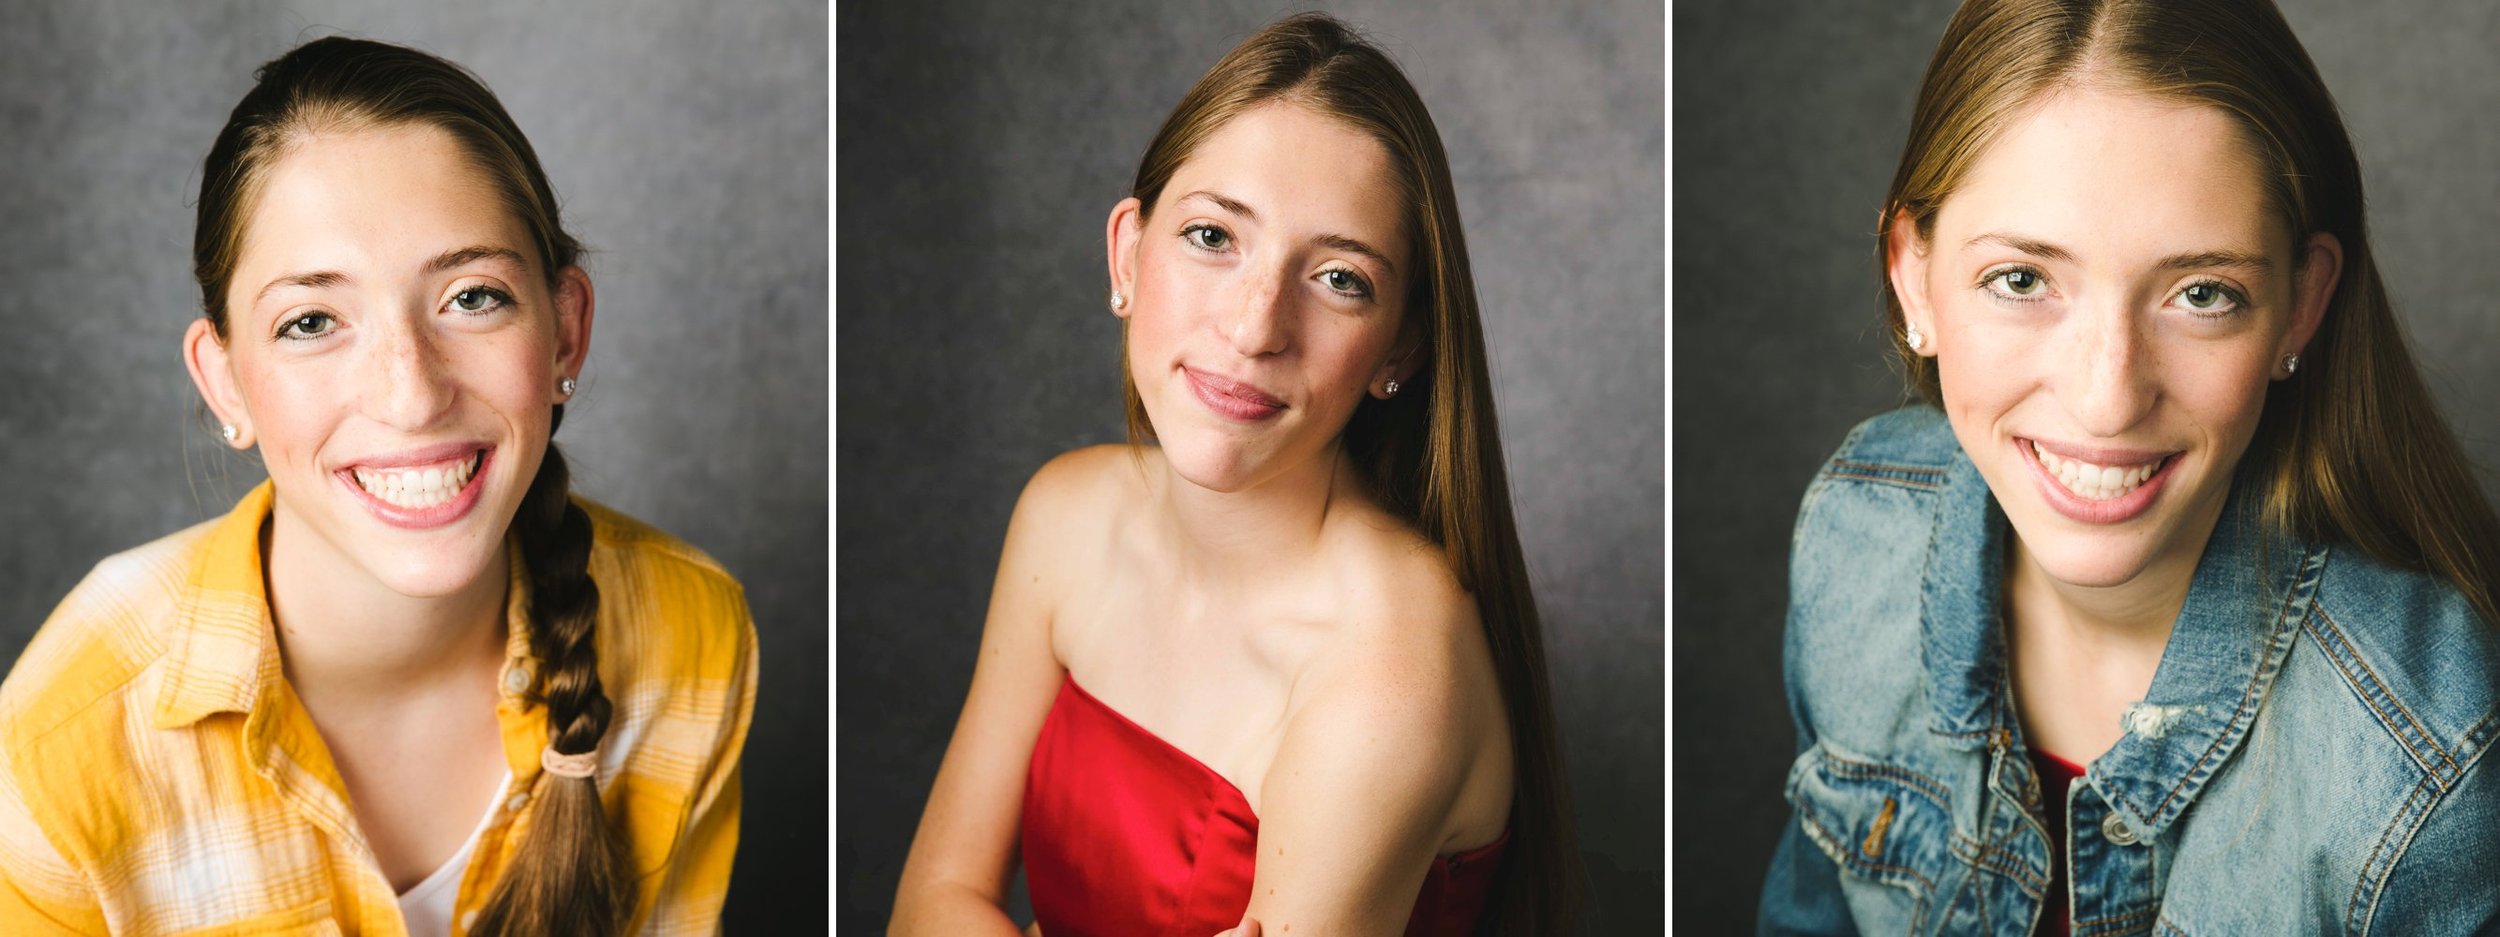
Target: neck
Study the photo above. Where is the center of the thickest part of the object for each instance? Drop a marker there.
(346, 638)
(2135, 615)
(1239, 541)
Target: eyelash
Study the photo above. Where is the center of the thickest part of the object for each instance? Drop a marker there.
(1189, 235)
(286, 329)
(501, 298)
(2237, 300)
(1988, 281)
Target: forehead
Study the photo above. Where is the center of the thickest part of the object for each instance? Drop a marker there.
(376, 198)
(1301, 169)
(2119, 174)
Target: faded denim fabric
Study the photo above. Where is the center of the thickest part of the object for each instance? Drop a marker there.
(2309, 759)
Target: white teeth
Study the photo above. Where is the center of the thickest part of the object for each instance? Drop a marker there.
(418, 489)
(2094, 482)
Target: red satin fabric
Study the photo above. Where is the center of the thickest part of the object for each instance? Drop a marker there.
(1124, 834)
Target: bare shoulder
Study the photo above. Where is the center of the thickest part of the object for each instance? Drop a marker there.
(1408, 683)
(1064, 518)
(1401, 606)
(1396, 748)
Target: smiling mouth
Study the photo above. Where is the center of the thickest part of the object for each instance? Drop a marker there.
(2093, 482)
(418, 487)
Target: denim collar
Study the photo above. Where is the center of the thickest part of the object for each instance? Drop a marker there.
(2244, 607)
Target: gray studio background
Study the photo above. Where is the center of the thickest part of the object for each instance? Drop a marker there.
(983, 143)
(689, 149)
(1789, 118)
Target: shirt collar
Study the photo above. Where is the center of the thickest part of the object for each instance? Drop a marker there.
(223, 653)
(2244, 606)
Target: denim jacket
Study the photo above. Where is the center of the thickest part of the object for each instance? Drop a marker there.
(2308, 760)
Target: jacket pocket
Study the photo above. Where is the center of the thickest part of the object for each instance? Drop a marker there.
(1888, 828)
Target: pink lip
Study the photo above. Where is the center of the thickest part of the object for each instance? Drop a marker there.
(1231, 399)
(2113, 511)
(425, 518)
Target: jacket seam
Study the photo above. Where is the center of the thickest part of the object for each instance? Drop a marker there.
(2363, 905)
(2375, 690)
(1927, 787)
(2095, 927)
(1805, 814)
(1923, 479)
(1984, 854)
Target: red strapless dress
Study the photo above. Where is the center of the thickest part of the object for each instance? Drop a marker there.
(1126, 835)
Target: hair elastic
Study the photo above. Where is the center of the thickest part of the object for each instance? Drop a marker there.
(569, 766)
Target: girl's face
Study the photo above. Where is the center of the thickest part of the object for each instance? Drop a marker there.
(393, 348)
(2106, 297)
(1264, 294)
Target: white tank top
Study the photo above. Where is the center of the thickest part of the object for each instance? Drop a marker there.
(427, 907)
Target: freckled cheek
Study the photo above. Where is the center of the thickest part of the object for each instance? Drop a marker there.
(1983, 373)
(2227, 393)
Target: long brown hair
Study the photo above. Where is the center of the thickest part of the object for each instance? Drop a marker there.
(570, 875)
(1433, 453)
(2352, 448)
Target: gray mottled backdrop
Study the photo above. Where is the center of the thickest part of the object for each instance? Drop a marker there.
(689, 148)
(982, 145)
(1789, 118)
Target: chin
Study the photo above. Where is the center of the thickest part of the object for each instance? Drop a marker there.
(1213, 464)
(2081, 561)
(434, 571)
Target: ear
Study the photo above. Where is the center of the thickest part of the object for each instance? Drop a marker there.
(1406, 357)
(576, 305)
(212, 371)
(1905, 264)
(1121, 234)
(2321, 267)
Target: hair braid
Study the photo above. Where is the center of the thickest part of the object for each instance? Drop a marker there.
(570, 875)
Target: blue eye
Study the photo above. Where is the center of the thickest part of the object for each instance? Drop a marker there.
(2210, 299)
(1346, 282)
(479, 300)
(310, 325)
(1206, 237)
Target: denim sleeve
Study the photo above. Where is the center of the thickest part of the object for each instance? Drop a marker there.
(2443, 884)
(1802, 893)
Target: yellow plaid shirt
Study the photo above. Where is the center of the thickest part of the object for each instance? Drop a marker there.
(158, 775)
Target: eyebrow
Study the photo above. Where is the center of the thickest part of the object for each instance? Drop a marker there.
(1332, 241)
(448, 260)
(2195, 260)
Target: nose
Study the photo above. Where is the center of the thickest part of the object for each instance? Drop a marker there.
(2109, 374)
(410, 381)
(1260, 326)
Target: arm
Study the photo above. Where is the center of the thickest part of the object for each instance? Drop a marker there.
(1358, 800)
(685, 897)
(40, 892)
(1801, 893)
(2443, 882)
(956, 878)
